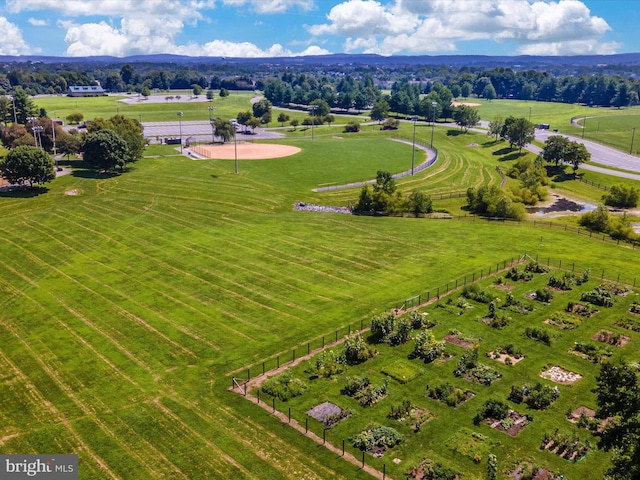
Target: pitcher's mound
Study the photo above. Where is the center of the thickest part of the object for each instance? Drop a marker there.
(245, 151)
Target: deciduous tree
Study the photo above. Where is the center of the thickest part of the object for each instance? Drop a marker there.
(27, 164)
(105, 150)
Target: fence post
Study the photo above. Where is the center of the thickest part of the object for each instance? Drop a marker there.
(289, 421)
(456, 283)
(474, 277)
(248, 374)
(308, 348)
(323, 341)
(560, 266)
(343, 447)
(278, 361)
(258, 396)
(447, 288)
(363, 459)
(384, 471)
(306, 425)
(349, 330)
(263, 368)
(273, 404)
(324, 435)
(293, 355)
(438, 293)
(573, 267)
(618, 281)
(548, 261)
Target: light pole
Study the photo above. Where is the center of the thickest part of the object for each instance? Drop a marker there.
(413, 150)
(211, 120)
(434, 105)
(633, 135)
(235, 149)
(313, 111)
(180, 114)
(37, 131)
(584, 127)
(529, 114)
(53, 135)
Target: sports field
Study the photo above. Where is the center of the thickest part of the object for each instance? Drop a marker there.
(126, 306)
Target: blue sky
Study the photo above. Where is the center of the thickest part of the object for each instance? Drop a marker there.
(262, 28)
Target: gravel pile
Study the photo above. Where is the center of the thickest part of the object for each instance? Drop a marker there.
(310, 207)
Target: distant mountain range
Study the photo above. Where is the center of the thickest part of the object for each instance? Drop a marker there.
(522, 61)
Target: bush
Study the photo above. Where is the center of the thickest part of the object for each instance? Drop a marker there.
(388, 329)
(356, 349)
(598, 296)
(284, 386)
(447, 393)
(326, 365)
(544, 295)
(538, 333)
(361, 390)
(622, 196)
(427, 347)
(380, 437)
(564, 283)
(494, 409)
(352, 127)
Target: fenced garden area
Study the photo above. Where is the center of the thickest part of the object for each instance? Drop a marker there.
(437, 385)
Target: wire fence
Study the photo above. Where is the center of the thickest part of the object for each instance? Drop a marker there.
(246, 381)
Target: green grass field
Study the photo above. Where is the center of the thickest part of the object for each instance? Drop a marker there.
(126, 306)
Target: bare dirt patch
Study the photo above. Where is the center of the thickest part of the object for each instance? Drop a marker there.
(561, 376)
(245, 151)
(468, 104)
(504, 286)
(72, 192)
(502, 357)
(454, 339)
(579, 412)
(611, 338)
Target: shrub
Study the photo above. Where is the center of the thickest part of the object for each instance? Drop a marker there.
(494, 409)
(544, 295)
(635, 308)
(564, 283)
(517, 275)
(538, 333)
(326, 365)
(447, 393)
(473, 292)
(622, 196)
(427, 347)
(356, 349)
(388, 329)
(535, 267)
(598, 296)
(363, 391)
(352, 127)
(284, 386)
(421, 320)
(381, 437)
(467, 361)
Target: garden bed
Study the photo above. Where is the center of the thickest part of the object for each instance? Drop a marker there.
(561, 376)
(502, 358)
(512, 425)
(611, 338)
(328, 413)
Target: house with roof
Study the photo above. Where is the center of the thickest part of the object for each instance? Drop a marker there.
(86, 91)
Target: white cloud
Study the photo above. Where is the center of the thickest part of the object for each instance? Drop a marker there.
(75, 8)
(95, 39)
(37, 22)
(13, 43)
(273, 6)
(221, 48)
(424, 26)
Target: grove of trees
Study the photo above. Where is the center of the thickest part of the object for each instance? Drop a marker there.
(27, 164)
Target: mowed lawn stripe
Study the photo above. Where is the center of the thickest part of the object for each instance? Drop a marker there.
(130, 278)
(51, 396)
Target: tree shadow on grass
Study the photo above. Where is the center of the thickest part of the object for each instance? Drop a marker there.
(95, 174)
(504, 151)
(559, 174)
(511, 156)
(455, 133)
(23, 192)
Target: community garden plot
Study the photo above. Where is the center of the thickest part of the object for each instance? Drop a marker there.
(433, 394)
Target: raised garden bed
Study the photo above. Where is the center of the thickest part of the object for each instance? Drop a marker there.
(561, 376)
(512, 425)
(610, 338)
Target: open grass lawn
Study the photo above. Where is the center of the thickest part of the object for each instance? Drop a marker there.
(225, 107)
(125, 307)
(439, 438)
